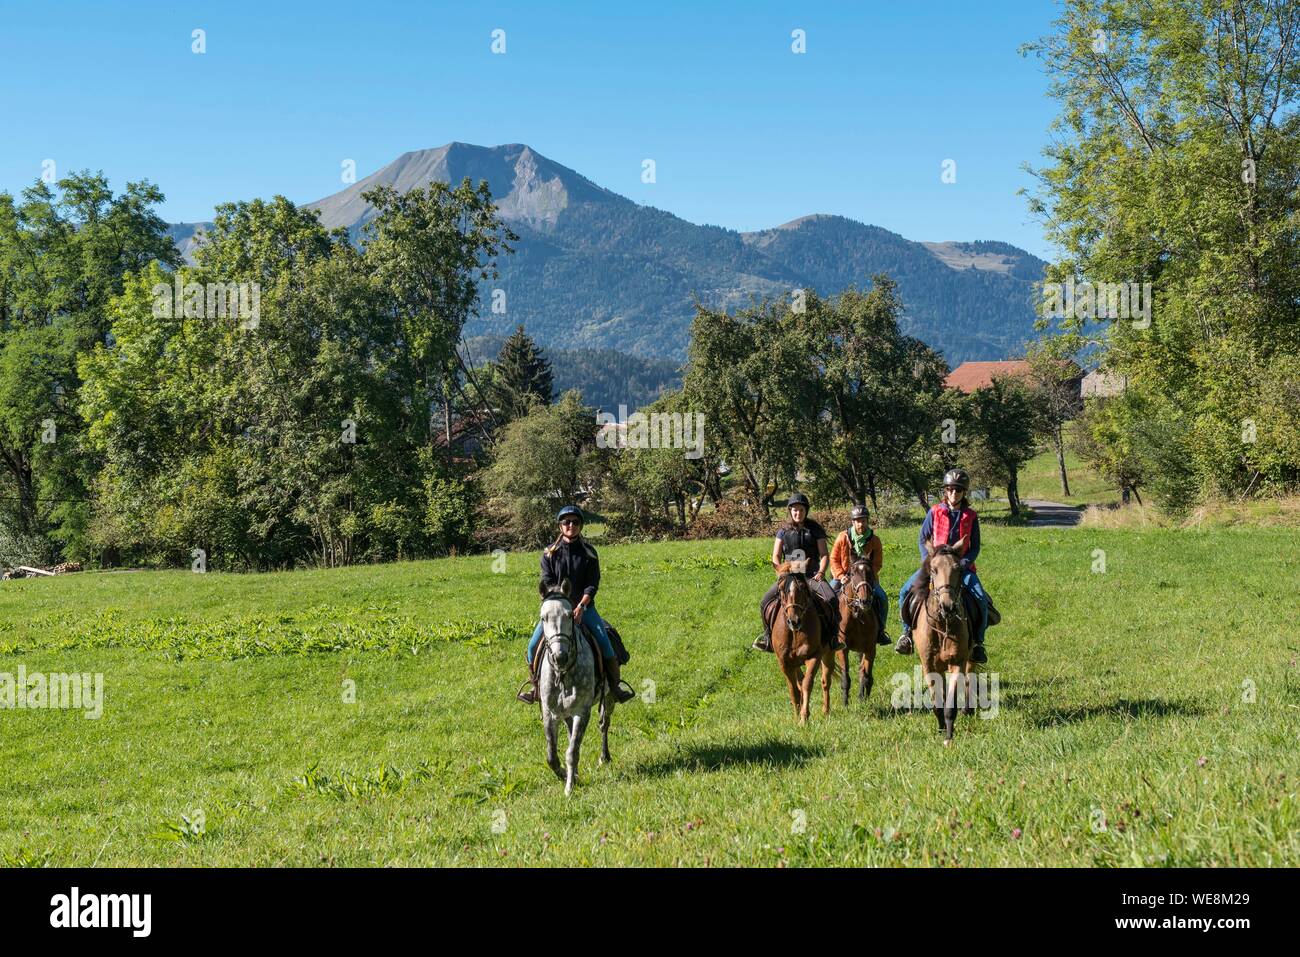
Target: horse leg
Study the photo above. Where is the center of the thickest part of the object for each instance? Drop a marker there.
(792, 678)
(827, 667)
(577, 726)
(845, 680)
(550, 722)
(806, 689)
(934, 682)
(968, 673)
(606, 712)
(865, 677)
(949, 705)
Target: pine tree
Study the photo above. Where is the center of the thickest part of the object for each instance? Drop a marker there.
(523, 375)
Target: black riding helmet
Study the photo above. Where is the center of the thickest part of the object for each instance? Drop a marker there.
(798, 498)
(570, 510)
(956, 478)
(859, 511)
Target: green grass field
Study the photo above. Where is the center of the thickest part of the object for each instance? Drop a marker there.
(1149, 715)
(1041, 479)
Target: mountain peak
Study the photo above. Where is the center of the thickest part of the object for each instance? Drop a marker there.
(593, 268)
(527, 187)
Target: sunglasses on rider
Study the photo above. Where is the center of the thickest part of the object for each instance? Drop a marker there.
(569, 521)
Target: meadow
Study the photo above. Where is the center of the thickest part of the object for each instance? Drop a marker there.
(1149, 715)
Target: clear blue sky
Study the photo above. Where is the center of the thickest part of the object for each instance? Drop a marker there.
(745, 133)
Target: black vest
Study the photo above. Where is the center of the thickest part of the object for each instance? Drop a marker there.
(801, 540)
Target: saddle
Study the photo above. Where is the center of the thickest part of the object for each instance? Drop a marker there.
(912, 608)
(827, 611)
(615, 639)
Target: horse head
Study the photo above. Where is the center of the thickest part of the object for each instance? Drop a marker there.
(557, 629)
(944, 573)
(858, 589)
(796, 596)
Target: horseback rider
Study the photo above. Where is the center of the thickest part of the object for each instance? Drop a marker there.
(855, 542)
(947, 523)
(571, 557)
(798, 540)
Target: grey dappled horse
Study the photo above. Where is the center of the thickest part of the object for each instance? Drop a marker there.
(567, 685)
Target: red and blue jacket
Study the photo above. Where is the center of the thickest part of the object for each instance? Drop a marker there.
(944, 526)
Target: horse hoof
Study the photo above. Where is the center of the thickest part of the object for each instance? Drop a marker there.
(947, 742)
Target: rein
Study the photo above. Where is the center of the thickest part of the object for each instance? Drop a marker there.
(801, 609)
(859, 584)
(940, 618)
(561, 673)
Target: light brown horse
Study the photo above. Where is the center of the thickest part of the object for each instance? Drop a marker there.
(943, 632)
(797, 639)
(858, 627)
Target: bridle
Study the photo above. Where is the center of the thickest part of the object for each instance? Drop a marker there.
(559, 638)
(800, 609)
(856, 589)
(936, 611)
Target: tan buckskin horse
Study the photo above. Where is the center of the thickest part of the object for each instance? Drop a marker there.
(942, 632)
(858, 627)
(797, 639)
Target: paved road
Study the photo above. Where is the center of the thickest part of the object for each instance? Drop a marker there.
(1052, 514)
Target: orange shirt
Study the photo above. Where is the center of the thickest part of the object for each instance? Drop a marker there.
(842, 554)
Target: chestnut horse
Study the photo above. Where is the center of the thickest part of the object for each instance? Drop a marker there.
(943, 632)
(797, 639)
(858, 627)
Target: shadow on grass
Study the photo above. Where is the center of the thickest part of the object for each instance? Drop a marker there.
(720, 757)
(1122, 708)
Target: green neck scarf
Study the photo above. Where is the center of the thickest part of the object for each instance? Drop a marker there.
(859, 541)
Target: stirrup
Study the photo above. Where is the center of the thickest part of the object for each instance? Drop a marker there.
(620, 695)
(531, 696)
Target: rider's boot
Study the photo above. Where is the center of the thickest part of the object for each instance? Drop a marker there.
(529, 696)
(904, 644)
(882, 638)
(621, 695)
(977, 654)
(763, 642)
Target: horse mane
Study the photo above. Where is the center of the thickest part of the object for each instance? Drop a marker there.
(786, 569)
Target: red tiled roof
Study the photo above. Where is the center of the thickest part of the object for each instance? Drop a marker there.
(970, 376)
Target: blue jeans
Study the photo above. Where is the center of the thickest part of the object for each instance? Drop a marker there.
(589, 618)
(971, 583)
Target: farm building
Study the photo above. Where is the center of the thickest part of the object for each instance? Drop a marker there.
(1099, 385)
(970, 376)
